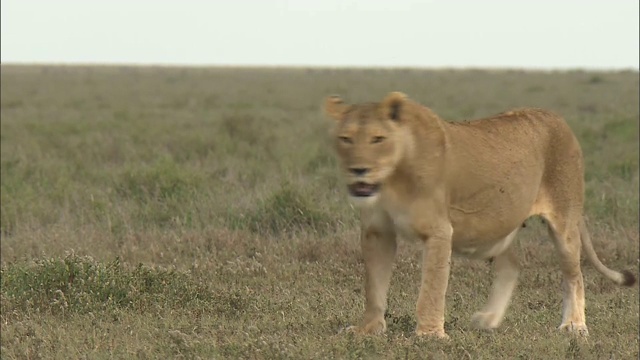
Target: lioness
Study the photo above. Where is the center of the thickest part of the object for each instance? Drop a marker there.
(462, 187)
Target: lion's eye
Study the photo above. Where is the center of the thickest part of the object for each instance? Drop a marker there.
(377, 139)
(345, 139)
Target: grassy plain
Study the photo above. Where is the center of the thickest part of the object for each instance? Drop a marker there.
(197, 213)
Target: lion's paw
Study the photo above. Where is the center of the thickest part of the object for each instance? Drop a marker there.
(576, 328)
(437, 334)
(376, 327)
(486, 320)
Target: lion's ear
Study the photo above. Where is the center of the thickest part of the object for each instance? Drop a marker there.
(335, 107)
(392, 105)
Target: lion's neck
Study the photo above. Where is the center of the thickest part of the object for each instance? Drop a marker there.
(423, 160)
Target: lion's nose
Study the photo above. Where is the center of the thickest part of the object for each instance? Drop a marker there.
(358, 171)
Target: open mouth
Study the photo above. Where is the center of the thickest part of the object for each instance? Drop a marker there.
(362, 189)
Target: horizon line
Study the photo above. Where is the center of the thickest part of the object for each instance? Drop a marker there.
(316, 66)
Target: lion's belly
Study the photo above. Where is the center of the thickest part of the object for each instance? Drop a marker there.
(483, 246)
(485, 249)
(486, 228)
(482, 217)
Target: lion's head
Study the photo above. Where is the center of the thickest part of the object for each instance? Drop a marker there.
(370, 140)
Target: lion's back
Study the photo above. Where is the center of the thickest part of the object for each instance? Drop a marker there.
(515, 133)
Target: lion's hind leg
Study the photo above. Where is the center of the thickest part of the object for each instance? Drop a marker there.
(566, 236)
(507, 269)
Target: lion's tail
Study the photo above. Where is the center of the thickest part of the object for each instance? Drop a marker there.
(625, 277)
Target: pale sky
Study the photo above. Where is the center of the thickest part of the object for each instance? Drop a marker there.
(540, 34)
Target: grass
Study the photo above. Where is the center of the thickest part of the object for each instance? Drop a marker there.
(197, 213)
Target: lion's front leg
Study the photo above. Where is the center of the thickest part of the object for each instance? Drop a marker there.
(436, 262)
(379, 250)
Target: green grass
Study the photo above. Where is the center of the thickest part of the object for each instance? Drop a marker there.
(198, 213)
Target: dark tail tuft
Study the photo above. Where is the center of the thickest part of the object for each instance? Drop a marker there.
(629, 278)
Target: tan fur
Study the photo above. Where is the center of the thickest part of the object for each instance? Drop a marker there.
(461, 187)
